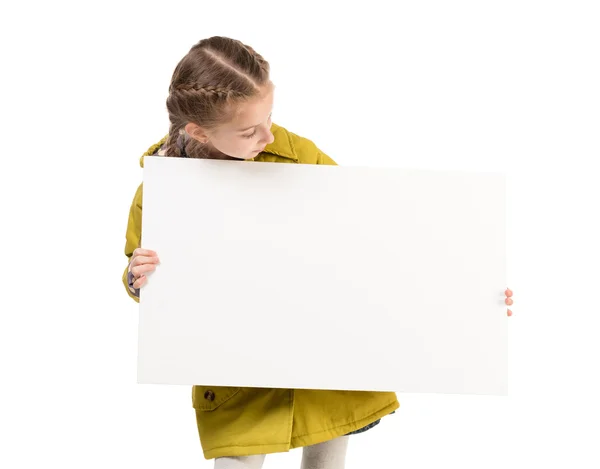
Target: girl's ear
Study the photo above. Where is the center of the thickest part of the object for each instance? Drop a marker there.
(196, 132)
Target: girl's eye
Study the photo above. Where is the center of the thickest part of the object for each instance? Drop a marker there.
(254, 133)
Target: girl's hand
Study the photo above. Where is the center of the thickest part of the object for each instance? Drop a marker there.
(143, 262)
(508, 292)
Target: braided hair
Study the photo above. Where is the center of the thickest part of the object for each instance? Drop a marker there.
(207, 83)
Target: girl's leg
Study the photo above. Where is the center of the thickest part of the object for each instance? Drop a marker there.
(328, 455)
(240, 462)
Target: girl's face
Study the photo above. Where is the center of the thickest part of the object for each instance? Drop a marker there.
(247, 134)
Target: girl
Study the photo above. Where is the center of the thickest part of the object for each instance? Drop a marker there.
(220, 103)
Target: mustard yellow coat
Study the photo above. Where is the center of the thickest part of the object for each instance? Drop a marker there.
(235, 421)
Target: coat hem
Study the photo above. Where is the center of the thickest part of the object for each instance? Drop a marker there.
(342, 430)
(238, 451)
(301, 441)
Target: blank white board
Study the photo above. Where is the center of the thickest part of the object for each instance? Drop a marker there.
(323, 277)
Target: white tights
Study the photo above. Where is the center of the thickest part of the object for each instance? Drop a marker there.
(328, 455)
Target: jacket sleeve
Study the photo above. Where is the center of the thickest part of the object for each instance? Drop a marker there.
(133, 238)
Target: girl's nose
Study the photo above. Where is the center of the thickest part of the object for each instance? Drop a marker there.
(270, 137)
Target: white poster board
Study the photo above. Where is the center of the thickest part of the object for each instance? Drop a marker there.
(323, 277)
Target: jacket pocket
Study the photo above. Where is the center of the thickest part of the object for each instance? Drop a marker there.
(208, 398)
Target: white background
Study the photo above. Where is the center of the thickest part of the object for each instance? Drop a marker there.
(510, 86)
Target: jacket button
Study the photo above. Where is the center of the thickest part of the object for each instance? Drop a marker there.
(209, 395)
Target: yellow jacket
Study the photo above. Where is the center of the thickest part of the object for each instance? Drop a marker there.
(235, 421)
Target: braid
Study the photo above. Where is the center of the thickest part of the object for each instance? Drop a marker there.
(192, 90)
(171, 145)
(207, 83)
(259, 59)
